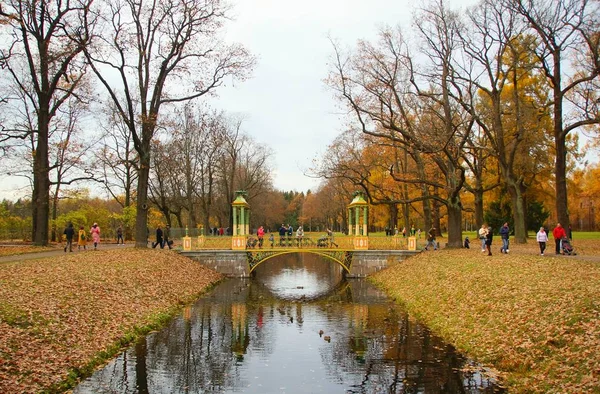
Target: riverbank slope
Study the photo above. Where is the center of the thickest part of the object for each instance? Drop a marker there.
(534, 319)
(61, 316)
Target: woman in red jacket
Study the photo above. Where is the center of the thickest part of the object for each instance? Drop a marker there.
(558, 233)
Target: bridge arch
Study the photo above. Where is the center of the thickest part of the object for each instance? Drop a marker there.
(343, 258)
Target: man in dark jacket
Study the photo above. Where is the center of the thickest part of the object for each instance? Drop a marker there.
(159, 238)
(504, 234)
(488, 240)
(69, 234)
(166, 237)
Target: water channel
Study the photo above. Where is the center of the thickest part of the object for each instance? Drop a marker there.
(296, 327)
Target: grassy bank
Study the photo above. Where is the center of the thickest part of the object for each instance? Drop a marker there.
(60, 317)
(534, 319)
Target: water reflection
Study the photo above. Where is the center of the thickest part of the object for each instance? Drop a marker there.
(297, 327)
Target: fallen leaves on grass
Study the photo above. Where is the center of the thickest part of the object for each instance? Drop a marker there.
(58, 314)
(536, 319)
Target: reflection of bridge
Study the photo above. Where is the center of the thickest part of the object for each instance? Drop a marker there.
(217, 253)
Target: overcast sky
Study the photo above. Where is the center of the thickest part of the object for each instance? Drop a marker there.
(286, 104)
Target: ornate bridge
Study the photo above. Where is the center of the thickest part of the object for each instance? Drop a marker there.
(217, 253)
(240, 254)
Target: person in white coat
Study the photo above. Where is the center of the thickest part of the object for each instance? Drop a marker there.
(542, 238)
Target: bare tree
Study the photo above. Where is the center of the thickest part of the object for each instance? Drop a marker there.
(43, 59)
(501, 97)
(393, 100)
(117, 160)
(568, 31)
(155, 53)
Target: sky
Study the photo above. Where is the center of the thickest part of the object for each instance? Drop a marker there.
(286, 104)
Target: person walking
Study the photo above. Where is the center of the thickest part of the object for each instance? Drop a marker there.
(290, 233)
(482, 236)
(299, 236)
(282, 232)
(120, 235)
(260, 233)
(82, 239)
(542, 238)
(488, 240)
(558, 233)
(166, 236)
(95, 233)
(504, 234)
(69, 234)
(431, 239)
(159, 238)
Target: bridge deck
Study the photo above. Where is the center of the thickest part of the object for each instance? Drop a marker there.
(307, 242)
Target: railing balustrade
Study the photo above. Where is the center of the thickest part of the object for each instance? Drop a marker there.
(311, 241)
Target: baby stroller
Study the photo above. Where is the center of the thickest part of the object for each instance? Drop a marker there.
(322, 242)
(251, 242)
(567, 248)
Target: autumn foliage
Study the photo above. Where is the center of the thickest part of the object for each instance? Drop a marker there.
(59, 316)
(535, 319)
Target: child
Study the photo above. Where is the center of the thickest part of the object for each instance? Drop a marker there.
(467, 242)
(272, 239)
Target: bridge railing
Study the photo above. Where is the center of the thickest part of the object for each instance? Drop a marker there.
(310, 242)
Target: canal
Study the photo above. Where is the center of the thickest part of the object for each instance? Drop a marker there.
(297, 326)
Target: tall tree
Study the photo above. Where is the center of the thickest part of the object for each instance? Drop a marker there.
(153, 53)
(43, 59)
(569, 55)
(393, 100)
(499, 77)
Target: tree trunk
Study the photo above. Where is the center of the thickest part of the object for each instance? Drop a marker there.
(518, 205)
(54, 215)
(454, 222)
(41, 179)
(560, 172)
(393, 208)
(141, 217)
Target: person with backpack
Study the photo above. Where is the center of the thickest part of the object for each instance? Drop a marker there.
(82, 239)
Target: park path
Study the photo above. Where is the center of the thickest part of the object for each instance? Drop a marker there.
(60, 252)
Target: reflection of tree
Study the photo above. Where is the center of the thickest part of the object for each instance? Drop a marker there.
(374, 346)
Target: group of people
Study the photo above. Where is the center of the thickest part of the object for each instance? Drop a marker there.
(559, 234)
(486, 235)
(163, 238)
(411, 232)
(82, 237)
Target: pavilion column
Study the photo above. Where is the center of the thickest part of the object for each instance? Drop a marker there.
(241, 213)
(357, 208)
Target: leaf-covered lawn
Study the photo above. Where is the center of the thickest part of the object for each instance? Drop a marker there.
(58, 314)
(535, 319)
